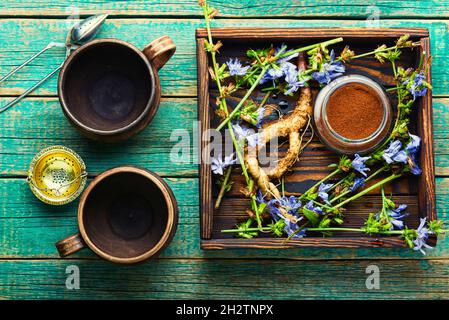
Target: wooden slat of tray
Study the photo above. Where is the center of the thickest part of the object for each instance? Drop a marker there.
(418, 193)
(307, 33)
(425, 130)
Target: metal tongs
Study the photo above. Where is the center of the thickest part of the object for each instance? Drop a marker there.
(79, 34)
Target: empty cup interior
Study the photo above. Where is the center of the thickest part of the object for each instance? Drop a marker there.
(107, 86)
(125, 215)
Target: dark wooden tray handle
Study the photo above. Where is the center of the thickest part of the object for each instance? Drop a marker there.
(160, 51)
(70, 245)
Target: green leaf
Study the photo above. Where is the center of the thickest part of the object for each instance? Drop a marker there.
(312, 216)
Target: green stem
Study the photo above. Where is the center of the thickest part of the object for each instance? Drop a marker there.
(313, 46)
(376, 51)
(295, 232)
(265, 99)
(390, 232)
(223, 187)
(392, 89)
(248, 230)
(240, 104)
(366, 180)
(329, 176)
(321, 205)
(365, 191)
(224, 107)
(249, 181)
(394, 68)
(335, 229)
(338, 183)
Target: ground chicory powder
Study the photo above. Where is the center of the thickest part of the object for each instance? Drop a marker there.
(354, 111)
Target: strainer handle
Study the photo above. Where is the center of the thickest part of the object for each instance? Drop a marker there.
(160, 51)
(70, 245)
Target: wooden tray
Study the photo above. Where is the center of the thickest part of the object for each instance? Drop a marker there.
(417, 192)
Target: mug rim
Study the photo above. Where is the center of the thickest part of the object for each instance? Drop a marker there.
(65, 69)
(172, 210)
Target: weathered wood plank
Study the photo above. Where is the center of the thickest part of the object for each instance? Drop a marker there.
(225, 279)
(39, 122)
(231, 8)
(29, 229)
(23, 37)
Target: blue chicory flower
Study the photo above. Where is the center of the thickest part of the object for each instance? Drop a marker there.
(260, 198)
(313, 208)
(290, 204)
(423, 235)
(289, 214)
(396, 216)
(414, 144)
(413, 164)
(260, 116)
(358, 182)
(253, 140)
(218, 165)
(359, 164)
(329, 70)
(236, 68)
(292, 227)
(322, 192)
(394, 153)
(287, 58)
(244, 133)
(293, 84)
(276, 73)
(281, 69)
(412, 149)
(266, 77)
(417, 88)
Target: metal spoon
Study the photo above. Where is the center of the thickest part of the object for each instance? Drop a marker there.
(80, 33)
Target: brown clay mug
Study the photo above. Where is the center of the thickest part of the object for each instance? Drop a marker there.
(110, 90)
(126, 215)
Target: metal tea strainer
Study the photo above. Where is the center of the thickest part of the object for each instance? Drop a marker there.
(80, 33)
(57, 175)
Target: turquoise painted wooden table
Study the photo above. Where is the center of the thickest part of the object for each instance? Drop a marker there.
(29, 264)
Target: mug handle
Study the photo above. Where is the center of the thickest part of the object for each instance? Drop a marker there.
(70, 245)
(160, 51)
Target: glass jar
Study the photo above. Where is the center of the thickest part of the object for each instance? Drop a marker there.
(339, 143)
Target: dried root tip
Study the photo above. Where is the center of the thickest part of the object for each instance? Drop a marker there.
(259, 175)
(339, 189)
(265, 216)
(250, 214)
(213, 14)
(212, 73)
(220, 113)
(346, 54)
(245, 192)
(217, 46)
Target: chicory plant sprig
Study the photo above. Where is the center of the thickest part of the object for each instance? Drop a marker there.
(388, 221)
(269, 62)
(210, 13)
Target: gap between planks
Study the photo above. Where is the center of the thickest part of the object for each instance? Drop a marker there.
(162, 16)
(237, 259)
